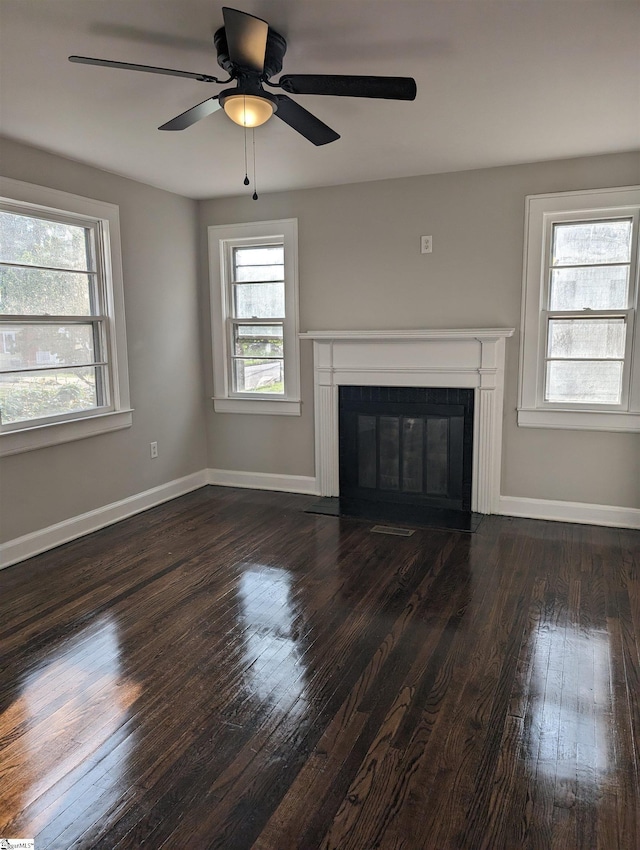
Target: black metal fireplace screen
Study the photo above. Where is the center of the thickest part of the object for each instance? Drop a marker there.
(409, 445)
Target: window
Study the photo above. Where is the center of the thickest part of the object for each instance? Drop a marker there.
(62, 345)
(257, 316)
(580, 359)
(254, 298)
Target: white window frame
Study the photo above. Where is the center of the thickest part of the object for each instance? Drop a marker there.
(116, 413)
(222, 240)
(542, 212)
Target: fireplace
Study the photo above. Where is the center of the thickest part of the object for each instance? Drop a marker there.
(466, 358)
(406, 446)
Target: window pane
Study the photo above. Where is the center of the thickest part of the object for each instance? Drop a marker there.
(259, 263)
(604, 288)
(586, 338)
(265, 255)
(249, 273)
(259, 376)
(259, 340)
(32, 395)
(591, 242)
(30, 346)
(584, 381)
(38, 242)
(259, 300)
(36, 292)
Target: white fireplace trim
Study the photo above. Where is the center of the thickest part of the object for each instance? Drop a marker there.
(468, 358)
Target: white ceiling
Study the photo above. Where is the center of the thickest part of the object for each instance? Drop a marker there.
(498, 83)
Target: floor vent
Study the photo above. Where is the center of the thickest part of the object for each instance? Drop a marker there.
(391, 529)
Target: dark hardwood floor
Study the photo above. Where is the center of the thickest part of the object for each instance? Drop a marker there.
(227, 671)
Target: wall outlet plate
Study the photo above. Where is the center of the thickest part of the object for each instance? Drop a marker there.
(426, 244)
(154, 450)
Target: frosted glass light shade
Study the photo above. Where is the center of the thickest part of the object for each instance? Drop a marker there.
(248, 110)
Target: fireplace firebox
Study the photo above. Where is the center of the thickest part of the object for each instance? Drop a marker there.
(409, 446)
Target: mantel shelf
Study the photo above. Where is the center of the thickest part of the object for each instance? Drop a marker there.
(437, 333)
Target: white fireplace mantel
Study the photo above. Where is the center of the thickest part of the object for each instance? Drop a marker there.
(469, 358)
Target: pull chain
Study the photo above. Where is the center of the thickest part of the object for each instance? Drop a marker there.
(246, 176)
(255, 190)
(246, 169)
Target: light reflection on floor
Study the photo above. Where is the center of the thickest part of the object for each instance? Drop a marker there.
(570, 731)
(276, 672)
(68, 708)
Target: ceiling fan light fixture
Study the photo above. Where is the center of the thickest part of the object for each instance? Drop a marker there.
(248, 110)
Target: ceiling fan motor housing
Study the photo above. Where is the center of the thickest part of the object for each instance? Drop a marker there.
(276, 48)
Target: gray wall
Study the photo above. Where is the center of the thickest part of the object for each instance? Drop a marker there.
(159, 235)
(360, 267)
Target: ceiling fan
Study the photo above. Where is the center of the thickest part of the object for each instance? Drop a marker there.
(251, 53)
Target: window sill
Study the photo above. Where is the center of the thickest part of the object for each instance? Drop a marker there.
(579, 420)
(270, 407)
(41, 436)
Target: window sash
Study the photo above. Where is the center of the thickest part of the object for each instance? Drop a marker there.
(628, 317)
(233, 322)
(546, 315)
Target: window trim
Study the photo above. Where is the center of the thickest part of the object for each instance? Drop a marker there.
(222, 239)
(542, 212)
(117, 414)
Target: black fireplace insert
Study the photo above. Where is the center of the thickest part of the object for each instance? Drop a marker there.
(408, 446)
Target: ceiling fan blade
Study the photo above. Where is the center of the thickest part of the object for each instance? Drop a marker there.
(391, 88)
(129, 66)
(196, 113)
(246, 39)
(304, 122)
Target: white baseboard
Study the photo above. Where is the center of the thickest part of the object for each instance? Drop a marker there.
(62, 532)
(264, 481)
(570, 512)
